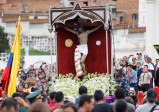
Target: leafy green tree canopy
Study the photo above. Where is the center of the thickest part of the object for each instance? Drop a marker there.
(4, 43)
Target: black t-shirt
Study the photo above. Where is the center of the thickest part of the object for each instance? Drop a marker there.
(102, 108)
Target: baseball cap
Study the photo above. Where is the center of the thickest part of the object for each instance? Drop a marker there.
(70, 99)
(139, 53)
(151, 95)
(34, 94)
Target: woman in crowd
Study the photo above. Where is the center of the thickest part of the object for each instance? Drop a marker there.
(26, 88)
(41, 89)
(20, 88)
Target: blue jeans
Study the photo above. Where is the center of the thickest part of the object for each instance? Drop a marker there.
(135, 86)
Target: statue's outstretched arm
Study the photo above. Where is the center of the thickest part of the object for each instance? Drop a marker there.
(70, 30)
(90, 31)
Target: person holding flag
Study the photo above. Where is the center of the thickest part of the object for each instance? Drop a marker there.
(11, 70)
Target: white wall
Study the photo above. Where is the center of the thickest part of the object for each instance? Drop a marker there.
(156, 26)
(152, 27)
(128, 43)
(30, 60)
(142, 13)
(156, 22)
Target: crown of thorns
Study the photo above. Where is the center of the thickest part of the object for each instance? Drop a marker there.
(78, 26)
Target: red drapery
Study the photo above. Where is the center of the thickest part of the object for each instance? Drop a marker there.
(96, 59)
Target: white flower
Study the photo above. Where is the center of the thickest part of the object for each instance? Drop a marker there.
(93, 82)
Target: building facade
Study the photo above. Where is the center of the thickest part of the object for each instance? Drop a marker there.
(152, 25)
(34, 17)
(35, 36)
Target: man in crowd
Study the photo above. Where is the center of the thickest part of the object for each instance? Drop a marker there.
(100, 105)
(139, 72)
(34, 96)
(151, 69)
(151, 98)
(52, 98)
(156, 63)
(82, 90)
(145, 78)
(157, 73)
(150, 65)
(139, 58)
(125, 58)
(120, 95)
(138, 69)
(39, 107)
(22, 80)
(85, 104)
(131, 76)
(120, 82)
(44, 83)
(121, 106)
(9, 105)
(31, 70)
(59, 99)
(31, 79)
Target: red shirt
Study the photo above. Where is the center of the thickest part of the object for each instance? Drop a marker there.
(56, 106)
(52, 104)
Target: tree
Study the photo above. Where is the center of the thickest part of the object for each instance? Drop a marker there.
(4, 43)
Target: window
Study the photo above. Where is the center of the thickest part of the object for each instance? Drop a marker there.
(35, 17)
(71, 3)
(121, 19)
(14, 5)
(25, 7)
(134, 16)
(113, 12)
(85, 3)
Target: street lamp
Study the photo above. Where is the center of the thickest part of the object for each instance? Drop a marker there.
(50, 29)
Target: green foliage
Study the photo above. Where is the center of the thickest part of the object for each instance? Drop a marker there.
(31, 52)
(4, 43)
(22, 51)
(36, 52)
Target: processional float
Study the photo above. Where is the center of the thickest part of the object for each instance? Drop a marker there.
(82, 40)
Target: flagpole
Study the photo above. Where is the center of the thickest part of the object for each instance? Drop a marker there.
(50, 29)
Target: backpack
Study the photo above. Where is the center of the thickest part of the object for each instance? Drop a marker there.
(153, 109)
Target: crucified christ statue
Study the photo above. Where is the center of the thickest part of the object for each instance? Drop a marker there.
(83, 39)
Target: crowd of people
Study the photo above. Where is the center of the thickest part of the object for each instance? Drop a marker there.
(34, 79)
(138, 73)
(137, 90)
(58, 102)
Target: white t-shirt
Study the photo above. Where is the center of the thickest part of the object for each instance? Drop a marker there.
(150, 66)
(158, 65)
(145, 107)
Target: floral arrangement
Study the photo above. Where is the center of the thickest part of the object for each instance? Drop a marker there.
(69, 85)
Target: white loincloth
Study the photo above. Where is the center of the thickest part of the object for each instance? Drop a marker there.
(82, 48)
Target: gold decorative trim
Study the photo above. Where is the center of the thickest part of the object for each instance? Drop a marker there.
(68, 42)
